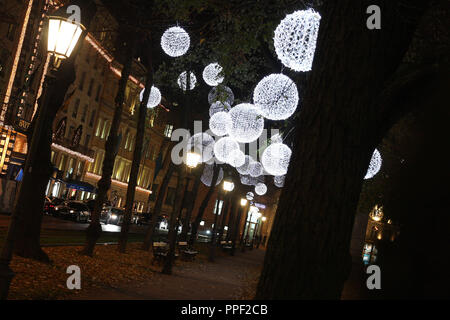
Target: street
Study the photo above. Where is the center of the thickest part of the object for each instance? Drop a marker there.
(53, 223)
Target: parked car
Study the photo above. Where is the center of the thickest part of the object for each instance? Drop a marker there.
(111, 215)
(51, 205)
(74, 210)
(142, 218)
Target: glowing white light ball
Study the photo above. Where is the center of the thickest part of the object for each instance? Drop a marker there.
(175, 41)
(374, 166)
(224, 147)
(219, 106)
(154, 99)
(219, 122)
(248, 180)
(211, 74)
(247, 124)
(221, 93)
(237, 158)
(182, 81)
(295, 39)
(249, 196)
(261, 189)
(255, 169)
(275, 159)
(276, 96)
(203, 144)
(207, 175)
(279, 181)
(243, 169)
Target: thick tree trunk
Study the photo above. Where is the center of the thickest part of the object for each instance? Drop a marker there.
(308, 251)
(173, 225)
(30, 197)
(94, 230)
(203, 205)
(137, 154)
(148, 240)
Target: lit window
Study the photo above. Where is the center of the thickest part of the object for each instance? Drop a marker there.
(220, 207)
(168, 130)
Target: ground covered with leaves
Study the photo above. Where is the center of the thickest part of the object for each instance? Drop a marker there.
(108, 268)
(109, 271)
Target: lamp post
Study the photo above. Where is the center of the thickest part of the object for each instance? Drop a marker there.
(63, 35)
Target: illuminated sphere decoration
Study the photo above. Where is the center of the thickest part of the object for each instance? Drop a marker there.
(221, 93)
(374, 166)
(154, 99)
(224, 147)
(247, 124)
(219, 122)
(260, 189)
(182, 81)
(211, 74)
(255, 169)
(219, 106)
(295, 39)
(279, 181)
(243, 169)
(248, 180)
(275, 159)
(202, 143)
(175, 41)
(207, 175)
(236, 158)
(249, 196)
(276, 96)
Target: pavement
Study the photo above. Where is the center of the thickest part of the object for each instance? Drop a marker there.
(49, 222)
(227, 278)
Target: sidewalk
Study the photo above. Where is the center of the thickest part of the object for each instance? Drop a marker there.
(226, 278)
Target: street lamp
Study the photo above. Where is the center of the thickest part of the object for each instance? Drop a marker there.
(243, 202)
(228, 185)
(193, 159)
(63, 35)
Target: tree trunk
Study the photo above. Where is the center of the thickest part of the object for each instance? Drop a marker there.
(203, 205)
(234, 206)
(212, 244)
(94, 230)
(187, 218)
(29, 202)
(173, 230)
(137, 154)
(223, 220)
(308, 250)
(236, 229)
(148, 240)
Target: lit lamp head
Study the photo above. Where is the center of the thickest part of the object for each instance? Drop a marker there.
(63, 35)
(264, 219)
(243, 202)
(228, 185)
(193, 159)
